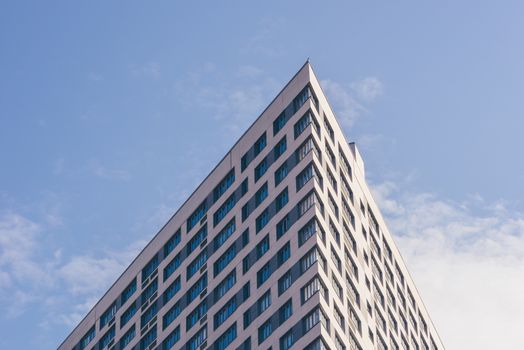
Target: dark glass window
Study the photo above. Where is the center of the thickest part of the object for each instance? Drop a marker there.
(281, 173)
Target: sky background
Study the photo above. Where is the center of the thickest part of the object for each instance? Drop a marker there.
(111, 113)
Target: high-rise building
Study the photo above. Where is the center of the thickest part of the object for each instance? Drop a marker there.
(281, 247)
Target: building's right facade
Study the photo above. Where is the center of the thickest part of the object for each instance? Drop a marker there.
(281, 247)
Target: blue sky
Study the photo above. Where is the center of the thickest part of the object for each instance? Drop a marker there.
(111, 113)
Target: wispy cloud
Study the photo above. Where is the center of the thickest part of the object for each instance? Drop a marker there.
(31, 274)
(349, 100)
(263, 40)
(104, 172)
(467, 259)
(235, 102)
(150, 70)
(368, 88)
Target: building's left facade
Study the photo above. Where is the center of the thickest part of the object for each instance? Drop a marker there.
(162, 299)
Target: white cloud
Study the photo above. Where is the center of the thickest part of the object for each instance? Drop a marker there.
(31, 273)
(368, 88)
(467, 260)
(235, 103)
(18, 240)
(348, 100)
(347, 108)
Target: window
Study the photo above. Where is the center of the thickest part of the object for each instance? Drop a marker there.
(260, 144)
(110, 335)
(172, 339)
(282, 199)
(303, 123)
(128, 314)
(195, 217)
(227, 283)
(336, 260)
(285, 311)
(279, 123)
(263, 274)
(264, 302)
(107, 315)
(332, 180)
(262, 247)
(280, 148)
(314, 317)
(171, 267)
(344, 164)
(127, 337)
(170, 291)
(281, 173)
(224, 260)
(286, 341)
(227, 337)
(303, 96)
(339, 345)
(128, 292)
(246, 345)
(150, 268)
(172, 243)
(196, 264)
(245, 237)
(309, 259)
(264, 331)
(311, 288)
(353, 318)
(86, 339)
(261, 194)
(171, 315)
(244, 161)
(246, 211)
(196, 289)
(305, 175)
(329, 129)
(347, 191)
(223, 314)
(306, 203)
(244, 187)
(149, 291)
(246, 264)
(196, 315)
(284, 282)
(224, 184)
(262, 220)
(148, 315)
(336, 286)
(224, 209)
(333, 205)
(261, 169)
(283, 254)
(246, 290)
(307, 231)
(317, 344)
(197, 340)
(198, 238)
(351, 240)
(148, 339)
(282, 226)
(247, 318)
(224, 234)
(305, 148)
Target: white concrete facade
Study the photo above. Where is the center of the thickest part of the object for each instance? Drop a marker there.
(384, 310)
